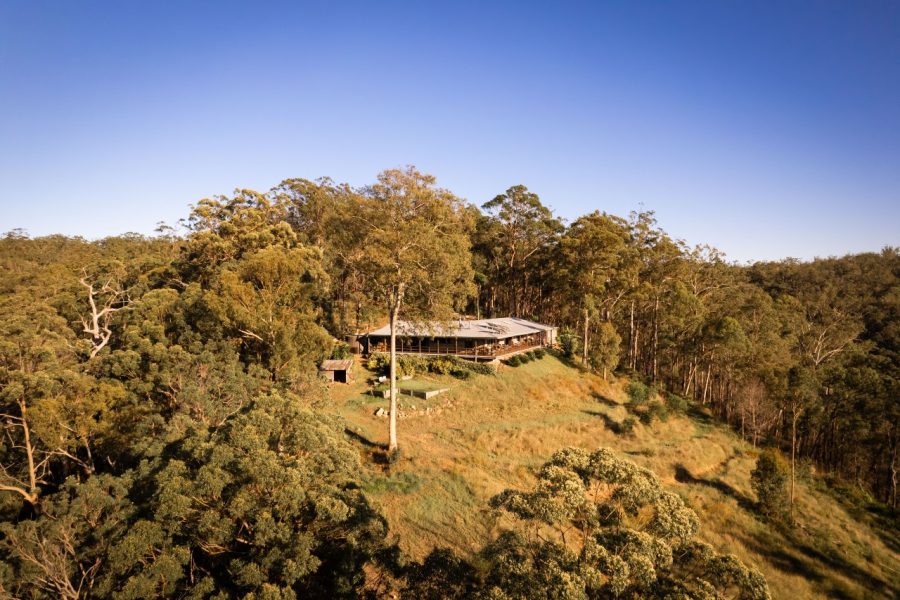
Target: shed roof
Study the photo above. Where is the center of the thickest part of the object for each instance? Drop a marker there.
(487, 329)
(336, 365)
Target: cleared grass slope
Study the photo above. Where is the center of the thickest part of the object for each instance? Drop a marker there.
(491, 433)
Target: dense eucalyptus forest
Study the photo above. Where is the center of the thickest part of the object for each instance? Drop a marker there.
(165, 432)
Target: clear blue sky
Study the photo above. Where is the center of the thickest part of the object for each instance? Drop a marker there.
(767, 129)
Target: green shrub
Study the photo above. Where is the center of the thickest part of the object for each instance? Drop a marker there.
(626, 427)
(461, 372)
(525, 358)
(480, 368)
(378, 362)
(441, 366)
(457, 366)
(513, 361)
(539, 353)
(769, 480)
(676, 403)
(638, 393)
(340, 351)
(658, 410)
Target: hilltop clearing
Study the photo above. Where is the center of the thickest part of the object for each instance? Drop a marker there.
(488, 434)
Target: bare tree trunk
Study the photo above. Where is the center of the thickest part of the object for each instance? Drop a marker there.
(584, 349)
(30, 495)
(478, 303)
(631, 346)
(655, 338)
(392, 416)
(794, 417)
(894, 479)
(706, 385)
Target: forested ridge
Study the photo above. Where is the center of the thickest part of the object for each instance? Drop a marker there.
(165, 432)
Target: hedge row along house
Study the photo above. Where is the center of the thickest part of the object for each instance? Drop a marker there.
(475, 339)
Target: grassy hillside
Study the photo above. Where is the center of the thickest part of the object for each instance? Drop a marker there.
(490, 433)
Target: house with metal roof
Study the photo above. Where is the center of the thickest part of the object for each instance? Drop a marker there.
(475, 339)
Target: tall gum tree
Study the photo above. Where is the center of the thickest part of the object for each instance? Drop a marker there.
(518, 228)
(417, 254)
(590, 254)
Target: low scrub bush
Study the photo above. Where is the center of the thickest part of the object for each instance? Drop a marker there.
(480, 368)
(650, 412)
(459, 367)
(410, 365)
(626, 427)
(539, 353)
(513, 361)
(441, 366)
(658, 410)
(638, 393)
(676, 403)
(461, 373)
(378, 362)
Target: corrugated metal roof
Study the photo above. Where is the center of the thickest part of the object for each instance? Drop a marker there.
(336, 365)
(488, 329)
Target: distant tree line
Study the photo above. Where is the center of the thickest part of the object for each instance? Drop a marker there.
(164, 431)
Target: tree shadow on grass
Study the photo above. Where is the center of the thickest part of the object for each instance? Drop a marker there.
(611, 424)
(796, 556)
(361, 439)
(604, 400)
(683, 475)
(376, 451)
(698, 413)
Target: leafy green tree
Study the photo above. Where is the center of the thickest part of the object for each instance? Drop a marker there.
(606, 348)
(636, 539)
(63, 553)
(226, 229)
(591, 253)
(268, 300)
(595, 526)
(52, 411)
(518, 230)
(417, 254)
(769, 480)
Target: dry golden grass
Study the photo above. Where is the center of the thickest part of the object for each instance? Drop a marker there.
(490, 433)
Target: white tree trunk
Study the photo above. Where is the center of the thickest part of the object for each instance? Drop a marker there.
(392, 435)
(584, 349)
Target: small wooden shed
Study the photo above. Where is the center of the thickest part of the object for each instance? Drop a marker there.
(336, 370)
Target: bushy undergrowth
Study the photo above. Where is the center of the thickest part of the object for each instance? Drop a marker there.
(626, 427)
(676, 403)
(340, 351)
(525, 357)
(639, 393)
(644, 403)
(653, 411)
(409, 365)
